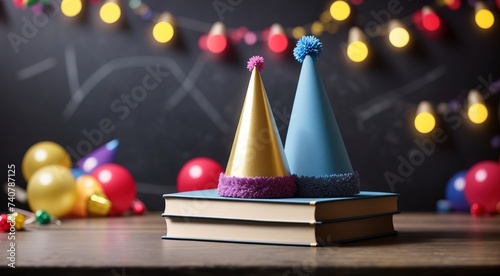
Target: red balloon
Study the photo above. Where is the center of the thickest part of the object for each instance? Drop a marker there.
(199, 174)
(118, 185)
(483, 186)
(138, 207)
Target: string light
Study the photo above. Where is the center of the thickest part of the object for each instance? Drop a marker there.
(164, 30)
(357, 50)
(398, 35)
(424, 119)
(277, 41)
(430, 20)
(477, 111)
(340, 10)
(217, 41)
(484, 18)
(71, 8)
(110, 11)
(453, 4)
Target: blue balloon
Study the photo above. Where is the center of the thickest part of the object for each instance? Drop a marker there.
(455, 192)
(77, 172)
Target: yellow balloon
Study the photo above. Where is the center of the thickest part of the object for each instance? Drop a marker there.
(86, 185)
(52, 189)
(42, 154)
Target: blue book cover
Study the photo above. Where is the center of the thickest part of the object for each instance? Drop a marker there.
(212, 195)
(208, 204)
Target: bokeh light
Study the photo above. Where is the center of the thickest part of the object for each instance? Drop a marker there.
(357, 51)
(110, 12)
(71, 8)
(399, 37)
(163, 32)
(340, 10)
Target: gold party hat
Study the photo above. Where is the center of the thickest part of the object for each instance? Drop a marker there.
(257, 166)
(257, 148)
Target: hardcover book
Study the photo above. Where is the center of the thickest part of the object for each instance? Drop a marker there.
(208, 204)
(286, 233)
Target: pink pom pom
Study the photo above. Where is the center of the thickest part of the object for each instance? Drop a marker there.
(256, 61)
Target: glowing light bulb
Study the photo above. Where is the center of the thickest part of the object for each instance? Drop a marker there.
(357, 49)
(430, 20)
(164, 31)
(453, 4)
(217, 41)
(71, 8)
(398, 35)
(424, 120)
(277, 41)
(340, 10)
(477, 111)
(484, 18)
(110, 12)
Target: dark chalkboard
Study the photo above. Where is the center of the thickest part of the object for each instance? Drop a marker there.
(75, 79)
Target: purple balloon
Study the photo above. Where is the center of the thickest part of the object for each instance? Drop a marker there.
(103, 155)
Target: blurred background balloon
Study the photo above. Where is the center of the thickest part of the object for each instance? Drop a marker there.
(42, 154)
(483, 187)
(200, 173)
(52, 188)
(455, 192)
(86, 185)
(118, 185)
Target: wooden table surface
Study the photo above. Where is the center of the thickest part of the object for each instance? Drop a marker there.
(426, 243)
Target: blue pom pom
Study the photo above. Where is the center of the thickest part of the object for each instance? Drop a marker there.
(308, 45)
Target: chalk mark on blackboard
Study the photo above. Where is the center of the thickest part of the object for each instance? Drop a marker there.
(36, 69)
(139, 62)
(382, 102)
(71, 69)
(209, 110)
(187, 85)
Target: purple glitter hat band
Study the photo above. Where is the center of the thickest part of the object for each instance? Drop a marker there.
(257, 187)
(335, 185)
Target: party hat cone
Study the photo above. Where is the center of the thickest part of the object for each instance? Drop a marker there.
(102, 155)
(314, 146)
(257, 167)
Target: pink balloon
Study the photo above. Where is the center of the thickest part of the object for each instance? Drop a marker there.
(483, 186)
(118, 185)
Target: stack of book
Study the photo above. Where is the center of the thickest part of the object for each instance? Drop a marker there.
(204, 215)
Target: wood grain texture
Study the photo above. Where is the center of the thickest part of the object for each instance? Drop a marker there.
(426, 243)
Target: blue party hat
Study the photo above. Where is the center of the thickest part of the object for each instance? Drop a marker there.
(314, 147)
